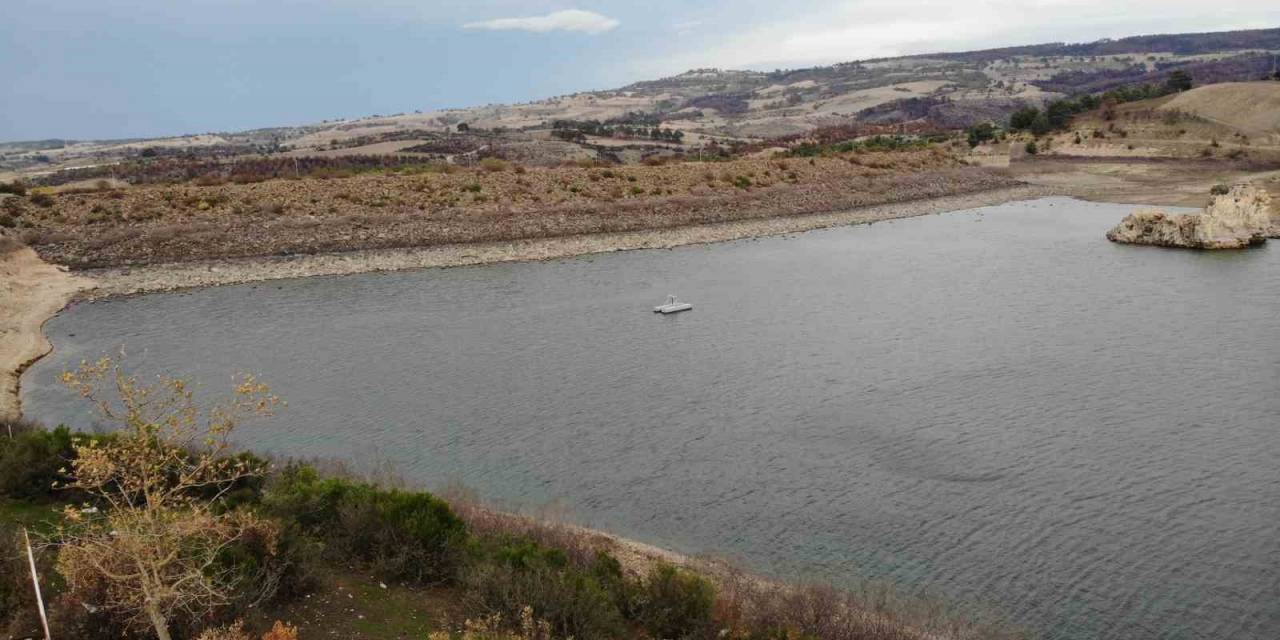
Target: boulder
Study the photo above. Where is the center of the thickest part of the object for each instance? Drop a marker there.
(1240, 218)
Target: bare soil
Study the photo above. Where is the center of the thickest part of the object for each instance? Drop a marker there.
(145, 225)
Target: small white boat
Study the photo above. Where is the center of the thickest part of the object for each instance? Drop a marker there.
(672, 306)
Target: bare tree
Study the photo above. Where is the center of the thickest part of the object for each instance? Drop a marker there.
(151, 536)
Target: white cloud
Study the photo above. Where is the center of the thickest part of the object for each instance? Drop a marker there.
(687, 26)
(826, 31)
(567, 20)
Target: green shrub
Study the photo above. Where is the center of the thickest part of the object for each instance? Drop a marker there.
(1178, 81)
(1219, 190)
(408, 535)
(30, 461)
(979, 133)
(17, 188)
(1022, 118)
(404, 535)
(1032, 148)
(504, 576)
(271, 565)
(41, 199)
(675, 603)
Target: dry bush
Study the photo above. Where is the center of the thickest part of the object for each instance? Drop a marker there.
(155, 549)
(9, 243)
(547, 530)
(35, 237)
(494, 628)
(281, 631)
(233, 631)
(494, 165)
(749, 607)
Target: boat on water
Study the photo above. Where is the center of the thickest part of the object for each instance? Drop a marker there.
(672, 306)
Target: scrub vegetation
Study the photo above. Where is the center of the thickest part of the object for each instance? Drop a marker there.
(495, 200)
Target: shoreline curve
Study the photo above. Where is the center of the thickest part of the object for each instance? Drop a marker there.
(114, 282)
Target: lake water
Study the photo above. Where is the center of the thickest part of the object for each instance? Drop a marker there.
(998, 404)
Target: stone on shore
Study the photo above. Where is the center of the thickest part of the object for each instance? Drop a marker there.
(1240, 218)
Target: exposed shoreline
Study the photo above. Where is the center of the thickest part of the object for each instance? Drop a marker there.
(114, 282)
(31, 292)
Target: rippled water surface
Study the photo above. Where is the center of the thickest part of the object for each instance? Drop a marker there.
(998, 403)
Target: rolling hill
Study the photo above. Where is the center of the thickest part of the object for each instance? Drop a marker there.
(1252, 107)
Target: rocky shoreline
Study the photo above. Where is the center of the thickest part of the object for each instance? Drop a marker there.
(124, 281)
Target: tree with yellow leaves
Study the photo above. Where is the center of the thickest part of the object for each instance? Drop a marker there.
(150, 538)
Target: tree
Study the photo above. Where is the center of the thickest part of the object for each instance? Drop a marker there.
(1179, 80)
(1041, 124)
(151, 540)
(980, 133)
(1059, 114)
(1022, 118)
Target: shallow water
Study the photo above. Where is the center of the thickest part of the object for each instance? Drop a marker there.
(998, 404)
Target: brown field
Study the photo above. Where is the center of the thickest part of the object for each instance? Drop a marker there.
(1253, 107)
(500, 202)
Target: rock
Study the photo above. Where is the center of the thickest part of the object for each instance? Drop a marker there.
(1240, 218)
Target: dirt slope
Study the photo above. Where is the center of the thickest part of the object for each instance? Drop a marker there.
(1253, 107)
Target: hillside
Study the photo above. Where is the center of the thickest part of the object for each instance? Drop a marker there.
(1251, 107)
(703, 108)
(1235, 121)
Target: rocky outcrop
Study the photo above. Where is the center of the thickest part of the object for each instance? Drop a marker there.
(1240, 218)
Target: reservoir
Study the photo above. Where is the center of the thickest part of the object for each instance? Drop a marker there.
(995, 404)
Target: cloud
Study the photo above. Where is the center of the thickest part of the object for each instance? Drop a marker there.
(827, 31)
(567, 20)
(687, 27)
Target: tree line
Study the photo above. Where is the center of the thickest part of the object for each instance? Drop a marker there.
(578, 130)
(1057, 114)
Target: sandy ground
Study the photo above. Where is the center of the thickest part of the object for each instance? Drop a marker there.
(122, 281)
(1173, 184)
(31, 291)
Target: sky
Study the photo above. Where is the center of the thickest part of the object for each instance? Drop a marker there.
(86, 69)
